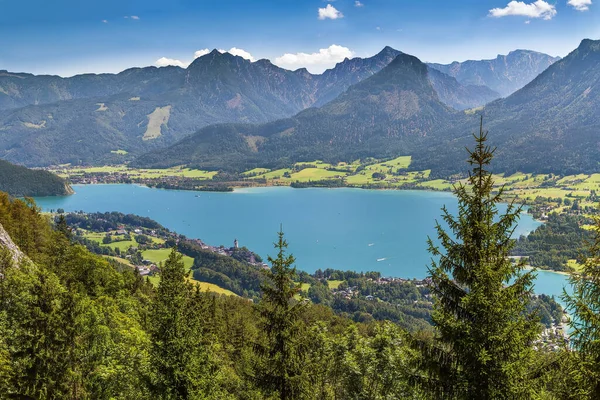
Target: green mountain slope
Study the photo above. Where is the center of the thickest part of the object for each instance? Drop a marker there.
(551, 125)
(23, 182)
(392, 112)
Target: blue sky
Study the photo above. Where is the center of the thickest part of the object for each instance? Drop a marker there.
(67, 37)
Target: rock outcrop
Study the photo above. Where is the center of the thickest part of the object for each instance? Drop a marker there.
(7, 243)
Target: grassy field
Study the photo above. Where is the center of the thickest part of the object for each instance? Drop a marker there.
(205, 286)
(160, 255)
(334, 284)
(528, 186)
(122, 245)
(182, 172)
(256, 171)
(315, 174)
(276, 174)
(305, 287)
(575, 265)
(359, 173)
(121, 260)
(437, 184)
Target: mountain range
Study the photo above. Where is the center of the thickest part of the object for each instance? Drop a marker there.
(388, 113)
(112, 118)
(250, 114)
(550, 125)
(505, 74)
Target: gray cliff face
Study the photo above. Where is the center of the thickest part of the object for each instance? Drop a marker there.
(505, 74)
(6, 243)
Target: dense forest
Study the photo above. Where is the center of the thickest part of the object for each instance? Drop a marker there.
(21, 182)
(553, 244)
(73, 325)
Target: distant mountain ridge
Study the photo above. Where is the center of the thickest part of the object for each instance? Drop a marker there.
(388, 113)
(111, 118)
(458, 96)
(505, 74)
(21, 89)
(549, 126)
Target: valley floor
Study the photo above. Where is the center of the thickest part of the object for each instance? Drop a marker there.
(525, 188)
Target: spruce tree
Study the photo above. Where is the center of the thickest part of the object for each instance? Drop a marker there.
(584, 304)
(280, 366)
(484, 334)
(177, 356)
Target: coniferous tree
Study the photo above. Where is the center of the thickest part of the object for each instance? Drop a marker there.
(177, 356)
(584, 304)
(485, 335)
(280, 366)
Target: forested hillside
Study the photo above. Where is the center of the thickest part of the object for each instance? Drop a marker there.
(549, 126)
(23, 182)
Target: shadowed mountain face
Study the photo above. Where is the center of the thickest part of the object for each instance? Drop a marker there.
(392, 112)
(457, 96)
(504, 74)
(550, 125)
(87, 118)
(19, 181)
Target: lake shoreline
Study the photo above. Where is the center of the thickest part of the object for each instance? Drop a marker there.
(347, 230)
(284, 191)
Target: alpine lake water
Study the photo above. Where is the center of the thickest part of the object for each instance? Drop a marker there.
(347, 229)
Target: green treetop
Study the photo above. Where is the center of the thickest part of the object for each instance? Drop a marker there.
(280, 366)
(584, 303)
(485, 336)
(181, 365)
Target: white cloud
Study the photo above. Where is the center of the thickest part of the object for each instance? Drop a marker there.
(319, 61)
(538, 9)
(580, 5)
(527, 22)
(240, 52)
(330, 12)
(105, 21)
(358, 4)
(164, 61)
(135, 17)
(200, 53)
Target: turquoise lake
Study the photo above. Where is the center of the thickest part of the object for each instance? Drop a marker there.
(348, 229)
